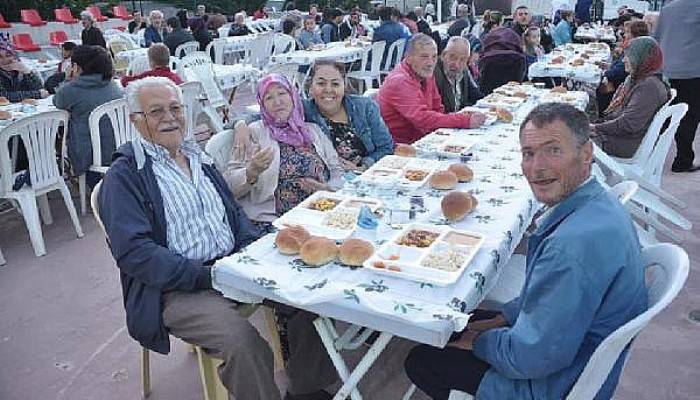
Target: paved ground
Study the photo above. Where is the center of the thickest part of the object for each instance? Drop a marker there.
(62, 332)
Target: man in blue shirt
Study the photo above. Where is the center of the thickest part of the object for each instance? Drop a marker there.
(389, 30)
(584, 279)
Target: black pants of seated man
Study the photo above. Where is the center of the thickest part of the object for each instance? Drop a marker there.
(689, 93)
(438, 371)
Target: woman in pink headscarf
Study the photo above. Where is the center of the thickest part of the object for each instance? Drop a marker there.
(288, 159)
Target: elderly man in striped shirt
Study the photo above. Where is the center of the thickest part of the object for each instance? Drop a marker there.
(169, 215)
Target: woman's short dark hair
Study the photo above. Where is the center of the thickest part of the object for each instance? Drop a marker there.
(288, 27)
(93, 60)
(69, 46)
(329, 63)
(385, 13)
(173, 22)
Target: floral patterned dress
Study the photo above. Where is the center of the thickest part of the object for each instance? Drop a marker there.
(297, 163)
(346, 142)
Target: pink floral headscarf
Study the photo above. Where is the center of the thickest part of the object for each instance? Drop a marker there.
(294, 131)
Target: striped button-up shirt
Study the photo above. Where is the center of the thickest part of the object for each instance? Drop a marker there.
(197, 226)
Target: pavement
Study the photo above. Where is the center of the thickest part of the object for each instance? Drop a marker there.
(63, 334)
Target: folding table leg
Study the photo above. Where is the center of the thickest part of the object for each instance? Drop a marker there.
(330, 337)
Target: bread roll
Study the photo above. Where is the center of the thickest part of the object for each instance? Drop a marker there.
(5, 115)
(456, 205)
(289, 240)
(355, 251)
(4, 101)
(405, 150)
(503, 114)
(558, 89)
(443, 180)
(463, 173)
(318, 251)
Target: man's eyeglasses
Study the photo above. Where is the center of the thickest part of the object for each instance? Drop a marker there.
(176, 110)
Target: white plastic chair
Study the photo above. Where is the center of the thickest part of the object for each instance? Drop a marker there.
(138, 65)
(219, 147)
(2, 259)
(117, 111)
(186, 48)
(667, 267)
(218, 46)
(197, 66)
(393, 56)
(38, 133)
(624, 190)
(371, 93)
(289, 70)
(195, 104)
(258, 54)
(283, 44)
(374, 73)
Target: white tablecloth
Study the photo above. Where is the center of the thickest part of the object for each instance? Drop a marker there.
(422, 312)
(589, 72)
(596, 33)
(338, 51)
(44, 70)
(129, 55)
(230, 76)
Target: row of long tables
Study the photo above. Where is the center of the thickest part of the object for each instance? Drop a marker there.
(419, 311)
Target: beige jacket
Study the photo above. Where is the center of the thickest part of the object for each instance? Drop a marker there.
(258, 200)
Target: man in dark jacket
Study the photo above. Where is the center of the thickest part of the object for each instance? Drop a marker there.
(462, 21)
(169, 215)
(423, 25)
(176, 35)
(452, 77)
(91, 35)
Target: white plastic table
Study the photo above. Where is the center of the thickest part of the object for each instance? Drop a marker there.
(338, 51)
(589, 72)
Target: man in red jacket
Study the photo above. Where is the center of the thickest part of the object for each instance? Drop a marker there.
(409, 100)
(159, 60)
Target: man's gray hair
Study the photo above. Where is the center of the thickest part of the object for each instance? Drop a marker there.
(88, 16)
(462, 10)
(575, 119)
(133, 91)
(458, 40)
(419, 39)
(156, 13)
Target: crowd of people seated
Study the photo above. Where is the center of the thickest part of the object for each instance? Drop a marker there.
(169, 213)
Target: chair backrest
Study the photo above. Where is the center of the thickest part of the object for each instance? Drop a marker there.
(23, 39)
(395, 48)
(118, 113)
(58, 37)
(186, 48)
(118, 44)
(667, 268)
(64, 15)
(283, 43)
(218, 46)
(624, 190)
(260, 50)
(31, 17)
(38, 134)
(219, 147)
(97, 13)
(653, 166)
(377, 51)
(197, 66)
(372, 93)
(289, 70)
(138, 65)
(192, 92)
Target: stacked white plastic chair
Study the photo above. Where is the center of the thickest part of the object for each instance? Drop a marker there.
(117, 112)
(368, 77)
(283, 43)
(259, 51)
(197, 66)
(195, 104)
(186, 48)
(38, 133)
(218, 46)
(393, 56)
(667, 268)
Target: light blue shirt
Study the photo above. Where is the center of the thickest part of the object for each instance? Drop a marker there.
(584, 279)
(306, 38)
(562, 33)
(195, 216)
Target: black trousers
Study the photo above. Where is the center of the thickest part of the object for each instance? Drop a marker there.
(437, 371)
(689, 93)
(499, 71)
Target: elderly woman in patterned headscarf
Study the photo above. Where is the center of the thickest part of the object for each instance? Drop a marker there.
(17, 81)
(636, 101)
(288, 159)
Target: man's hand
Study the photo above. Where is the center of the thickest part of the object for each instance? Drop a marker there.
(466, 341)
(486, 324)
(260, 162)
(476, 119)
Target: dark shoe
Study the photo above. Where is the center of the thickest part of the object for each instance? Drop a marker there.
(320, 395)
(689, 168)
